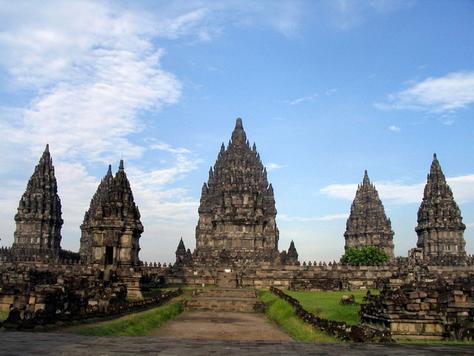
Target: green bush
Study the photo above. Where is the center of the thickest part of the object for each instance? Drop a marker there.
(366, 256)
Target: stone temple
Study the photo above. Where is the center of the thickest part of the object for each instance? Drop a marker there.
(38, 221)
(237, 210)
(440, 228)
(111, 229)
(367, 224)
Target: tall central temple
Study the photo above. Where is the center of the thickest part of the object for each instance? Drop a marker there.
(237, 210)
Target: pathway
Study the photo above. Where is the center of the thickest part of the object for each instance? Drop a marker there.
(211, 325)
(17, 343)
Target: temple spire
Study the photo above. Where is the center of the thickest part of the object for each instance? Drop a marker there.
(38, 221)
(366, 179)
(440, 228)
(237, 208)
(238, 135)
(112, 223)
(367, 224)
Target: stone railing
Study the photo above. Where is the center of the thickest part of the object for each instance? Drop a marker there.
(341, 330)
(8, 254)
(24, 320)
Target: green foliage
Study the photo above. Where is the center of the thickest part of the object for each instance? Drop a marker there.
(325, 304)
(366, 256)
(139, 324)
(283, 314)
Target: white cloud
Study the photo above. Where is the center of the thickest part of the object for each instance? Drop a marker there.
(303, 99)
(400, 193)
(329, 217)
(444, 94)
(93, 76)
(168, 148)
(347, 14)
(273, 166)
(394, 128)
(90, 77)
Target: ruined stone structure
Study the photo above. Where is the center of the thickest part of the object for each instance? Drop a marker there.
(236, 246)
(425, 308)
(440, 228)
(183, 257)
(237, 210)
(111, 229)
(367, 224)
(38, 221)
(291, 257)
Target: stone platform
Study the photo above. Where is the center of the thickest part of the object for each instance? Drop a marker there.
(225, 300)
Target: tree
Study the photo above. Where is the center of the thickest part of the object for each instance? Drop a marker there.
(366, 256)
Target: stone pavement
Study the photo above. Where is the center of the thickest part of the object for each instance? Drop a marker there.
(17, 343)
(211, 325)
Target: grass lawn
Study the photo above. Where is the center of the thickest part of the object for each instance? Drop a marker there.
(325, 304)
(282, 313)
(138, 324)
(3, 315)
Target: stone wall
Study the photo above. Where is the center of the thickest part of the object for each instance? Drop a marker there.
(314, 276)
(59, 308)
(341, 330)
(427, 308)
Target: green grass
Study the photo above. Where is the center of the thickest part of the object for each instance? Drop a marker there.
(3, 315)
(325, 304)
(283, 314)
(138, 324)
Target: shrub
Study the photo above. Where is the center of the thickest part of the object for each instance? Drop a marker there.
(366, 256)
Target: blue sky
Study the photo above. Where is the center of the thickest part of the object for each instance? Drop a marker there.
(326, 89)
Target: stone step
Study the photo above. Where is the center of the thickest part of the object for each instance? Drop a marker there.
(229, 292)
(225, 299)
(228, 304)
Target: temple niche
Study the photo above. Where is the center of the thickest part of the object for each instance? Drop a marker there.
(237, 209)
(111, 229)
(38, 220)
(367, 224)
(440, 228)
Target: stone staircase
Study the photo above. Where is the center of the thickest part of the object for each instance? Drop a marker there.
(225, 300)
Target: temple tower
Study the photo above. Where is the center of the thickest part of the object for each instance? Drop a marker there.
(183, 256)
(440, 228)
(237, 209)
(291, 257)
(38, 221)
(367, 224)
(111, 229)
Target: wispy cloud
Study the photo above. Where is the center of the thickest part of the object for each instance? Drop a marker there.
(303, 99)
(168, 148)
(347, 14)
(445, 94)
(400, 193)
(90, 77)
(394, 128)
(329, 217)
(273, 166)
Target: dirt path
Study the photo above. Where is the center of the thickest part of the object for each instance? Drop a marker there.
(207, 325)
